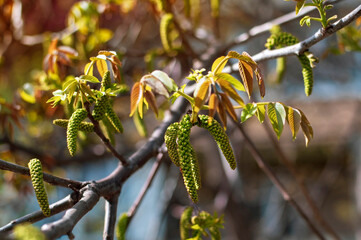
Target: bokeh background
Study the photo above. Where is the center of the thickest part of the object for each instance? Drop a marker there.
(252, 206)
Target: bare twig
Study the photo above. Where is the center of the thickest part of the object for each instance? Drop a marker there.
(267, 170)
(132, 210)
(105, 140)
(302, 46)
(111, 206)
(301, 184)
(66, 224)
(55, 208)
(57, 181)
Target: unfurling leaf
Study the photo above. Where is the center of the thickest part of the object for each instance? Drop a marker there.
(277, 115)
(166, 80)
(217, 67)
(246, 73)
(201, 94)
(213, 104)
(150, 98)
(294, 120)
(155, 84)
(101, 66)
(135, 97)
(228, 88)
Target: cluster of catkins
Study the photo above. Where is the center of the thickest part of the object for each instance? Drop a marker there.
(182, 154)
(102, 109)
(280, 39)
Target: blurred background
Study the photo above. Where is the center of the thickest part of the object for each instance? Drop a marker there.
(252, 206)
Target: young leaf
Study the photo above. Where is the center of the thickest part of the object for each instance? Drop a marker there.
(262, 88)
(213, 104)
(216, 68)
(135, 97)
(89, 78)
(227, 87)
(246, 73)
(300, 5)
(294, 120)
(155, 84)
(140, 125)
(277, 115)
(306, 128)
(165, 79)
(261, 112)
(88, 69)
(150, 98)
(101, 66)
(232, 80)
(248, 111)
(201, 94)
(228, 105)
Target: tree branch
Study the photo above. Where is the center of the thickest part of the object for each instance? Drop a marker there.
(301, 47)
(110, 217)
(66, 224)
(55, 208)
(57, 181)
(267, 170)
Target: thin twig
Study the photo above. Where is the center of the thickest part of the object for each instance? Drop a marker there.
(57, 181)
(267, 170)
(110, 217)
(300, 182)
(55, 208)
(132, 210)
(105, 140)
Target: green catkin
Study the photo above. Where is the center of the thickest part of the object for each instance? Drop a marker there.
(165, 28)
(122, 226)
(100, 107)
(113, 118)
(185, 222)
(220, 136)
(106, 81)
(170, 139)
(282, 39)
(83, 126)
(36, 174)
(73, 127)
(185, 152)
(195, 170)
(306, 73)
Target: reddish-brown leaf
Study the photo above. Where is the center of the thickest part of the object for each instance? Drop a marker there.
(135, 97)
(53, 46)
(228, 105)
(150, 98)
(213, 104)
(222, 114)
(229, 89)
(246, 73)
(262, 88)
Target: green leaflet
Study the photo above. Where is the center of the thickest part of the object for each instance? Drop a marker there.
(73, 127)
(83, 126)
(165, 28)
(186, 156)
(122, 226)
(220, 136)
(185, 223)
(36, 174)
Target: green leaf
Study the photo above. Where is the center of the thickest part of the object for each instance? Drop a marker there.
(166, 80)
(307, 20)
(216, 66)
(261, 112)
(27, 93)
(68, 82)
(248, 111)
(300, 5)
(89, 78)
(277, 115)
(232, 80)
